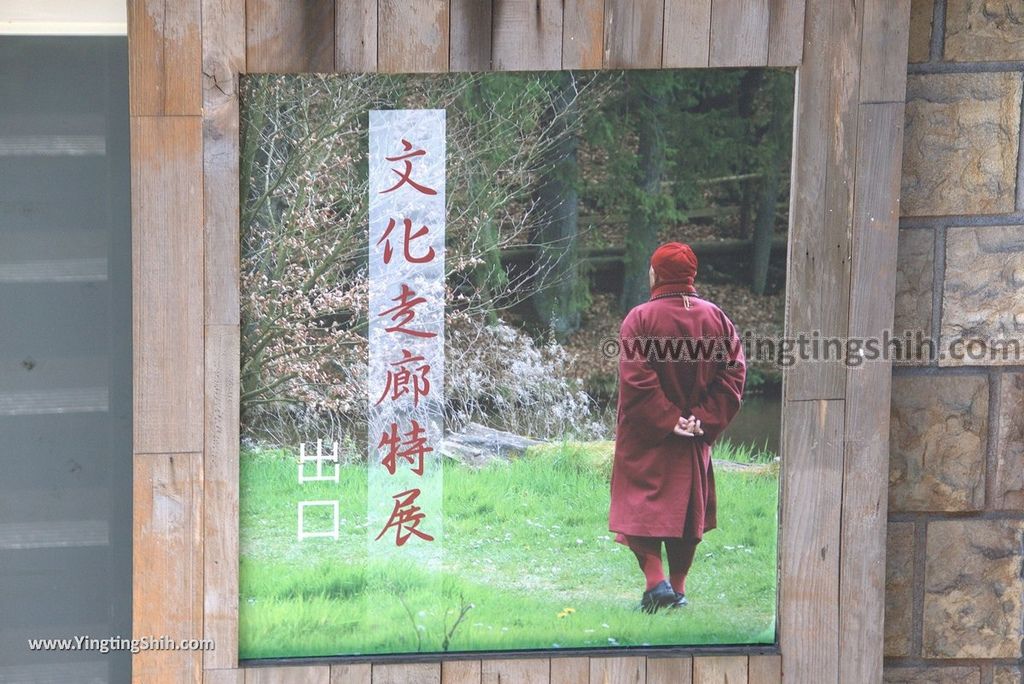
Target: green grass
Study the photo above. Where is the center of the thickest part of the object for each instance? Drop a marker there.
(522, 542)
(725, 450)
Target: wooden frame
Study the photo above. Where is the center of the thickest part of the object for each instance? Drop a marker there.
(185, 57)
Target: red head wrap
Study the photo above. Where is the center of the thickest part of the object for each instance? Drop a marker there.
(675, 266)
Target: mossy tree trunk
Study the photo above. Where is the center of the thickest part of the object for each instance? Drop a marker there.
(764, 224)
(560, 291)
(642, 232)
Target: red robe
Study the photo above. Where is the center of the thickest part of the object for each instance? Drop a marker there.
(663, 485)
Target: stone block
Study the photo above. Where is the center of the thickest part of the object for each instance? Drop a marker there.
(915, 260)
(983, 296)
(1008, 491)
(937, 442)
(960, 144)
(932, 675)
(899, 588)
(984, 31)
(1006, 674)
(973, 587)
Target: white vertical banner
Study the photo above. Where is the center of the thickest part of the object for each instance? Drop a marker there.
(406, 335)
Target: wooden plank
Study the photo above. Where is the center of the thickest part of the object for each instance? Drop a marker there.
(470, 36)
(233, 676)
(167, 563)
(842, 111)
(164, 57)
(818, 278)
(167, 283)
(220, 506)
(739, 33)
(804, 271)
(353, 673)
(527, 35)
(460, 672)
(289, 674)
(570, 670)
(618, 670)
(582, 34)
(843, 58)
(876, 223)
(812, 446)
(884, 53)
(518, 671)
(221, 214)
(785, 32)
(412, 37)
(765, 669)
(287, 37)
(633, 32)
(687, 38)
(223, 60)
(412, 673)
(720, 670)
(678, 670)
(355, 36)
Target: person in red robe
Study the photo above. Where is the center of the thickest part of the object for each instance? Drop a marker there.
(673, 403)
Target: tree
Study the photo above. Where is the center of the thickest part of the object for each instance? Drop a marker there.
(659, 137)
(556, 299)
(642, 232)
(774, 149)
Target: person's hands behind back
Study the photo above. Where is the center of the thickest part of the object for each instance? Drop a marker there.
(688, 427)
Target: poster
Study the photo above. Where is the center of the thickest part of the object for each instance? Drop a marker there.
(440, 281)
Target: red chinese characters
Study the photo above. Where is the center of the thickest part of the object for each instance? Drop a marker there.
(403, 446)
(405, 177)
(405, 518)
(410, 236)
(404, 312)
(402, 381)
(412, 450)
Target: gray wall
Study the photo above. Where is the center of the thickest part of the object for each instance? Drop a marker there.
(65, 355)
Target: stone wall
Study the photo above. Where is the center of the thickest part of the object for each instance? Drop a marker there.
(956, 473)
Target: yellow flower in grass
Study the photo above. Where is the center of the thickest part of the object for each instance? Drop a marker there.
(566, 612)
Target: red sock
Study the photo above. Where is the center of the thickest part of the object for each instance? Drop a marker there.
(648, 555)
(678, 582)
(680, 557)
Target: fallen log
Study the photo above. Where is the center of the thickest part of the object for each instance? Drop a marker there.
(477, 445)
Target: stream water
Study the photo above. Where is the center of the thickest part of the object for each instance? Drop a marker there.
(759, 423)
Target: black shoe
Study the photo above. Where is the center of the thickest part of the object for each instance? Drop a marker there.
(680, 601)
(660, 596)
